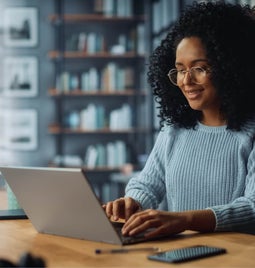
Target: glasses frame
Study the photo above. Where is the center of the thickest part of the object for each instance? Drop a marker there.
(204, 70)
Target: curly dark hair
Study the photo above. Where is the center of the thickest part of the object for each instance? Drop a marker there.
(228, 33)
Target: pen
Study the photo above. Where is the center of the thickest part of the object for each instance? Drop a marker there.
(124, 250)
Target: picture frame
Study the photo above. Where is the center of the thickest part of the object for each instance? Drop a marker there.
(20, 76)
(19, 129)
(20, 27)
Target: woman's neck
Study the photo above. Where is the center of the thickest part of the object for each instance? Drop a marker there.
(212, 119)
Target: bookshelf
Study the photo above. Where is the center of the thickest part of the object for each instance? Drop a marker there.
(100, 94)
(163, 14)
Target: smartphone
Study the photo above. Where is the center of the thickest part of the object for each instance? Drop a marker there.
(187, 253)
(12, 214)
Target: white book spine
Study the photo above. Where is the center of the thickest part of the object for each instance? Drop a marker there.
(90, 157)
(110, 155)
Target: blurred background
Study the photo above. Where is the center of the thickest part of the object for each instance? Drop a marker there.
(73, 89)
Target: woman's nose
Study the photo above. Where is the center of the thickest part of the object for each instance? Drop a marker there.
(187, 78)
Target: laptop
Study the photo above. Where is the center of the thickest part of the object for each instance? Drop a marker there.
(61, 201)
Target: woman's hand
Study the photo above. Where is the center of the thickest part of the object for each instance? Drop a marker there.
(121, 208)
(160, 222)
(164, 223)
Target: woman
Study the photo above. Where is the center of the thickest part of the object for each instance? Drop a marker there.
(203, 161)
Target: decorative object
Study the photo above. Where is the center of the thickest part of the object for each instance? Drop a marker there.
(20, 76)
(21, 27)
(18, 129)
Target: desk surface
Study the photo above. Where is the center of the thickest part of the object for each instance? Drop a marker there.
(19, 236)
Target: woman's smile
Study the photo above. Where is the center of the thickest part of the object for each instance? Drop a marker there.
(193, 94)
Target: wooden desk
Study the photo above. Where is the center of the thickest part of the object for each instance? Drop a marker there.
(18, 237)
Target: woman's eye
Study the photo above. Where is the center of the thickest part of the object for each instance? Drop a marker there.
(181, 71)
(198, 70)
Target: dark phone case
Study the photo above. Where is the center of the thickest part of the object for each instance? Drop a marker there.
(186, 254)
(12, 214)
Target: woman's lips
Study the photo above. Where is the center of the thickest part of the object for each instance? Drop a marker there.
(193, 94)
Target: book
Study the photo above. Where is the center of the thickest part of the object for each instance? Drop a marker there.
(109, 73)
(88, 117)
(90, 159)
(98, 6)
(141, 39)
(64, 82)
(85, 81)
(120, 153)
(129, 78)
(94, 80)
(156, 15)
(90, 80)
(121, 118)
(124, 8)
(108, 8)
(110, 154)
(92, 117)
(82, 42)
(100, 117)
(101, 155)
(91, 43)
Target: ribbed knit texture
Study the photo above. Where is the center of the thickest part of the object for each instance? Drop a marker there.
(202, 168)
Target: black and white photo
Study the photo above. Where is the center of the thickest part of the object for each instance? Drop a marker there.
(21, 27)
(20, 76)
(18, 129)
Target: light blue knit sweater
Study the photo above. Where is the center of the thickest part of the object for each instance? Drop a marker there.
(202, 168)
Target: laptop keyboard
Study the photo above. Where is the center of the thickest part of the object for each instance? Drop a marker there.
(127, 239)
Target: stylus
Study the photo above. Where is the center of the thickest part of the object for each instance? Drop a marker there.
(124, 250)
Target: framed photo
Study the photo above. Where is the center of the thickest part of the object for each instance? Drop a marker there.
(20, 75)
(19, 129)
(21, 27)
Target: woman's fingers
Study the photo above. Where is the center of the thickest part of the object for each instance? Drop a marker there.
(124, 208)
(108, 209)
(121, 208)
(131, 206)
(155, 223)
(139, 222)
(118, 209)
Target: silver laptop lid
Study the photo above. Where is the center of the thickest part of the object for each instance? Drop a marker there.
(60, 201)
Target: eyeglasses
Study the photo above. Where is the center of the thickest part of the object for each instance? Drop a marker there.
(197, 75)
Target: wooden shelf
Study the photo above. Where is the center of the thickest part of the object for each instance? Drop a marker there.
(98, 55)
(80, 18)
(53, 92)
(95, 169)
(57, 129)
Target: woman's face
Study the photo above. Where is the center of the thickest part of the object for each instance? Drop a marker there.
(190, 53)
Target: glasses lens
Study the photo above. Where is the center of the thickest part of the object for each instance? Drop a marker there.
(173, 76)
(197, 75)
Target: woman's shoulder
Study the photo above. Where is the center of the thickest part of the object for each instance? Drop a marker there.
(169, 132)
(169, 129)
(249, 127)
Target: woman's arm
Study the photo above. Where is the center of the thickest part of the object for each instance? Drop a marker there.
(148, 188)
(239, 214)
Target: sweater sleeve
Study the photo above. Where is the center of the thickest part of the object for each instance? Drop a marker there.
(239, 215)
(148, 188)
